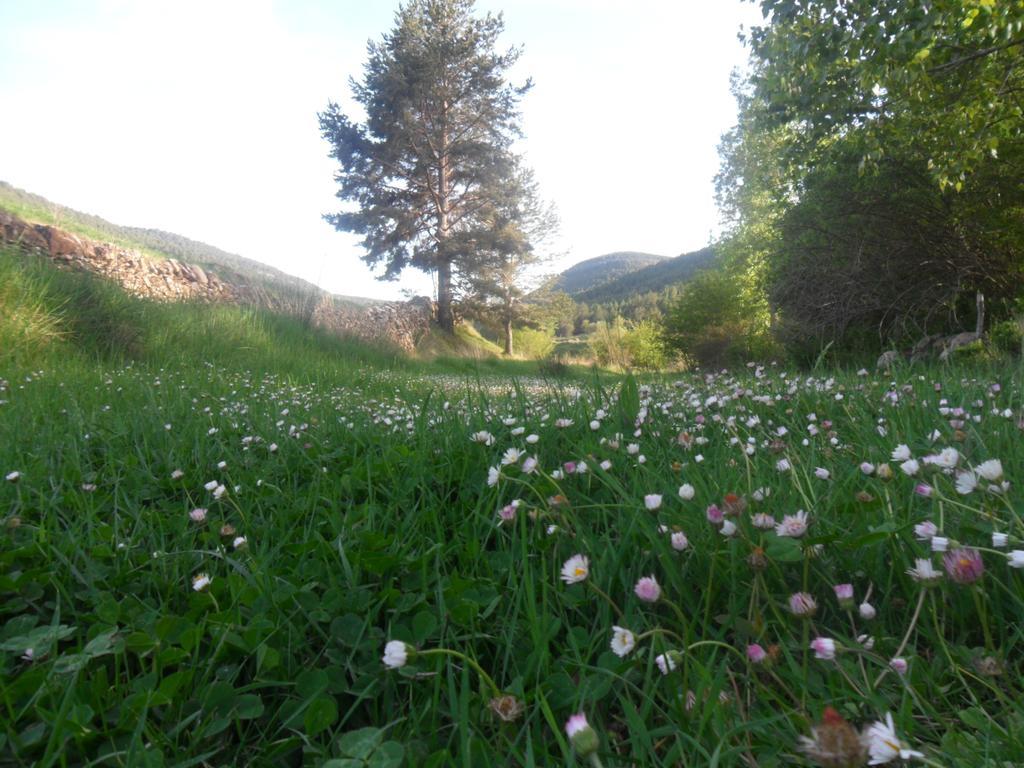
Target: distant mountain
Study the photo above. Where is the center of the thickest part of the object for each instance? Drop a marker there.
(651, 278)
(600, 270)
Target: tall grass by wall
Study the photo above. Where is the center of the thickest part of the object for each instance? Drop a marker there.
(48, 313)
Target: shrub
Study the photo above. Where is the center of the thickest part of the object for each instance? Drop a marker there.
(646, 347)
(626, 346)
(715, 324)
(535, 344)
(975, 352)
(553, 367)
(1007, 336)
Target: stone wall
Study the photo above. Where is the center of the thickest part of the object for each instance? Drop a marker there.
(399, 323)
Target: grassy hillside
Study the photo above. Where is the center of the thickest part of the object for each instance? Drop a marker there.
(652, 277)
(599, 270)
(159, 244)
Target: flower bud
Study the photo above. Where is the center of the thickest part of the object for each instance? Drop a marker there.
(756, 653)
(506, 707)
(844, 594)
(583, 738)
(757, 559)
(396, 654)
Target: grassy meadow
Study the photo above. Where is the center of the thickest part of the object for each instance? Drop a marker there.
(229, 540)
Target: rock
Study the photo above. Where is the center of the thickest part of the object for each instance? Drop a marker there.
(17, 232)
(887, 360)
(953, 343)
(61, 242)
(923, 348)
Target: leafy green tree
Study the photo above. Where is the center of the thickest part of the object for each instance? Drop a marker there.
(554, 309)
(423, 173)
(889, 255)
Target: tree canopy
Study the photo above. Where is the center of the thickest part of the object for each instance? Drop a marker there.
(943, 76)
(519, 223)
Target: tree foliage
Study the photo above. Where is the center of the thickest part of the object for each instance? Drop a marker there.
(945, 76)
(889, 255)
(498, 279)
(425, 171)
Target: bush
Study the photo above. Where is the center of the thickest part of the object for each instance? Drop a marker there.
(1007, 336)
(553, 367)
(645, 346)
(714, 324)
(535, 344)
(975, 352)
(625, 346)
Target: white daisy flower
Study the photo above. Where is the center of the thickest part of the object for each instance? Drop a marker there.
(623, 641)
(575, 569)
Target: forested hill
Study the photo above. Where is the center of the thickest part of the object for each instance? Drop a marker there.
(600, 270)
(652, 278)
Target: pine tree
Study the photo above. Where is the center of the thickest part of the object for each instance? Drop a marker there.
(426, 168)
(497, 280)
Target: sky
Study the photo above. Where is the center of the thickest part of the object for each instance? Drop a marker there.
(200, 117)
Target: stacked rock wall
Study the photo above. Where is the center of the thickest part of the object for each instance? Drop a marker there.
(399, 323)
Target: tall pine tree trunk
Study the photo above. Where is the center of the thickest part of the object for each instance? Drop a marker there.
(508, 335)
(507, 312)
(445, 316)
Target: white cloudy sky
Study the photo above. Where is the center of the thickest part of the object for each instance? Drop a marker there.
(200, 117)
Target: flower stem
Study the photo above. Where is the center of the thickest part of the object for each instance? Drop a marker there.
(659, 631)
(471, 662)
(806, 652)
(677, 610)
(605, 595)
(983, 617)
(906, 637)
(717, 644)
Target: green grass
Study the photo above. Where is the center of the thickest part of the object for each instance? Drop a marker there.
(368, 517)
(50, 314)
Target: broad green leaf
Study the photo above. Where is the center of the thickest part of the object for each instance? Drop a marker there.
(320, 715)
(360, 743)
(388, 755)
